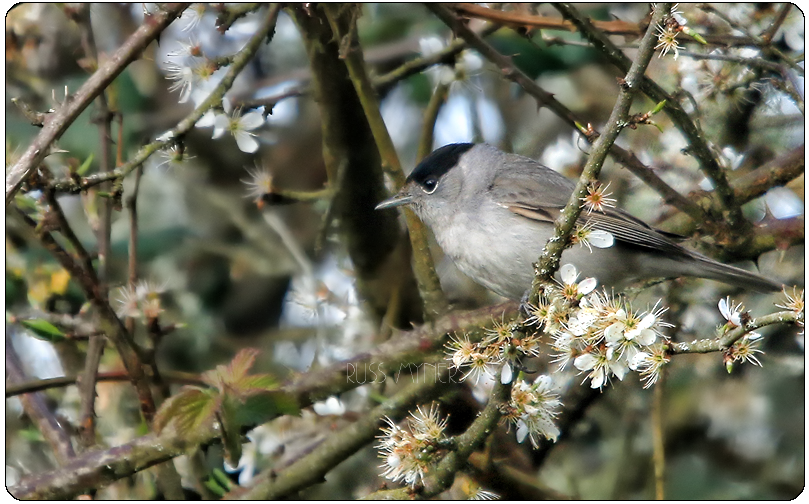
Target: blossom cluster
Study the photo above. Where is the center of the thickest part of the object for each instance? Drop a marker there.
(140, 300)
(533, 408)
(599, 332)
(409, 453)
(194, 75)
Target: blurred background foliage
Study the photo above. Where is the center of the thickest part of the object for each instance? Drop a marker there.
(277, 277)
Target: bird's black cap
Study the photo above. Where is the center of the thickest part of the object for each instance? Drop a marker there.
(438, 162)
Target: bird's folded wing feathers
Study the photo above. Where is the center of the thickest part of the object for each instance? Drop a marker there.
(525, 194)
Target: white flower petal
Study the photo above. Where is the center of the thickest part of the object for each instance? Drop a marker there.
(614, 333)
(220, 124)
(647, 321)
(543, 382)
(724, 309)
(601, 239)
(246, 141)
(207, 120)
(506, 375)
(227, 106)
(587, 285)
(646, 337)
(568, 273)
(522, 431)
(618, 369)
(599, 378)
(168, 135)
(637, 360)
(585, 362)
(251, 121)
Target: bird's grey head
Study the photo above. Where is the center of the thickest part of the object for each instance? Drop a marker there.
(435, 184)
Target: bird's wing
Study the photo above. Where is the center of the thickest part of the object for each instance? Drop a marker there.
(540, 194)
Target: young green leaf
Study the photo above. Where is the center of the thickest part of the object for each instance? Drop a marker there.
(44, 330)
(190, 408)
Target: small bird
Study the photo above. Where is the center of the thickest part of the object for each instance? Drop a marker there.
(492, 213)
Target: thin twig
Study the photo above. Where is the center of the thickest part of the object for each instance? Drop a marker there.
(109, 376)
(61, 119)
(658, 436)
(37, 409)
(614, 27)
(95, 348)
(239, 61)
(438, 98)
(732, 336)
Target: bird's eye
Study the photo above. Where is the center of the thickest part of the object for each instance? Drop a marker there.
(429, 185)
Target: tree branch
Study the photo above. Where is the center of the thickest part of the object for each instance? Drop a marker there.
(549, 261)
(37, 410)
(93, 87)
(732, 336)
(698, 143)
(435, 302)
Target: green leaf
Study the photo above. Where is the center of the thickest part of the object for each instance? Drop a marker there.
(231, 375)
(81, 170)
(264, 406)
(254, 384)
(231, 430)
(190, 408)
(212, 485)
(696, 36)
(25, 202)
(31, 434)
(220, 477)
(44, 330)
(658, 107)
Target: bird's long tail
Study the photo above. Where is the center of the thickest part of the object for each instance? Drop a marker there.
(708, 268)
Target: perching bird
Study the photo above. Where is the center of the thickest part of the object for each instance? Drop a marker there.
(492, 213)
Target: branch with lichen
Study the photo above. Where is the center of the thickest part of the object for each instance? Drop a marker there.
(443, 474)
(730, 337)
(58, 123)
(99, 468)
(549, 261)
(435, 302)
(276, 483)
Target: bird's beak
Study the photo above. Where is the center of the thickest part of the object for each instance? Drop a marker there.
(402, 198)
